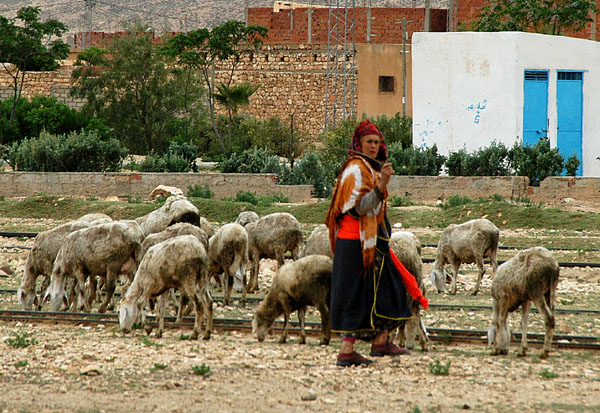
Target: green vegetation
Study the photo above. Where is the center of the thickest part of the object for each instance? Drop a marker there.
(149, 343)
(202, 370)
(197, 191)
(20, 340)
(438, 369)
(159, 366)
(547, 374)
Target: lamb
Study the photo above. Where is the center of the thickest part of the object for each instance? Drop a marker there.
(468, 242)
(104, 250)
(318, 242)
(297, 285)
(531, 275)
(228, 253)
(179, 262)
(246, 217)
(407, 248)
(181, 228)
(175, 209)
(41, 257)
(270, 237)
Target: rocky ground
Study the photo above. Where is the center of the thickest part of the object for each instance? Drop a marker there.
(60, 368)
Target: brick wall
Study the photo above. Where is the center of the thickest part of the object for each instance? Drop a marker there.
(385, 28)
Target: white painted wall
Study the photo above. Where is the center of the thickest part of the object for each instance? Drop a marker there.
(468, 88)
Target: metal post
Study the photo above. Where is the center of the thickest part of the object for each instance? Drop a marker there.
(403, 67)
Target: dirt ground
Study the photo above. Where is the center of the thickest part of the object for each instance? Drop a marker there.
(99, 369)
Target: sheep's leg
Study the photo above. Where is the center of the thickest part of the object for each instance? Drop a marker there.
(253, 285)
(280, 257)
(549, 322)
(286, 316)
(162, 305)
(301, 315)
(109, 283)
(82, 290)
(501, 333)
(325, 324)
(183, 302)
(525, 306)
(227, 286)
(455, 266)
(479, 262)
(494, 260)
(244, 286)
(44, 288)
(207, 304)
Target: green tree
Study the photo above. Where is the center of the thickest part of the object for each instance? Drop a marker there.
(131, 87)
(26, 44)
(232, 97)
(539, 16)
(201, 49)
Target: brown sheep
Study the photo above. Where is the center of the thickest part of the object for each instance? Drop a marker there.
(297, 285)
(531, 275)
(468, 242)
(318, 242)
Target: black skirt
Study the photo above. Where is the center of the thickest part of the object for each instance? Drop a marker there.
(366, 303)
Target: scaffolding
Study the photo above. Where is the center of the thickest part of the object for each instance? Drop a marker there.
(340, 75)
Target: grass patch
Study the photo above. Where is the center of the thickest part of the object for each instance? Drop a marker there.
(202, 370)
(438, 369)
(547, 374)
(20, 340)
(149, 343)
(21, 363)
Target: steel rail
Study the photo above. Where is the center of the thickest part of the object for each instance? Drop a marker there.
(443, 335)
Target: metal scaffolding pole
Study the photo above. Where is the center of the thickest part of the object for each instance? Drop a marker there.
(340, 75)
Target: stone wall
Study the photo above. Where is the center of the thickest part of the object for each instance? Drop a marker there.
(418, 188)
(134, 185)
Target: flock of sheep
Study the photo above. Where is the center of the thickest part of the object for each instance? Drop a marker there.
(173, 248)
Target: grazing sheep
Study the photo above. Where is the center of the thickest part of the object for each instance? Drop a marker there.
(175, 209)
(179, 262)
(181, 228)
(228, 253)
(407, 248)
(318, 242)
(531, 275)
(104, 250)
(42, 255)
(297, 285)
(246, 217)
(270, 237)
(468, 242)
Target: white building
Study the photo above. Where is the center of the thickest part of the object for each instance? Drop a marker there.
(471, 88)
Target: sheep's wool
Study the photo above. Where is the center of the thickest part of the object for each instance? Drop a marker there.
(356, 179)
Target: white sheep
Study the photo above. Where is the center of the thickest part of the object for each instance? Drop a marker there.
(318, 242)
(468, 242)
(228, 253)
(531, 275)
(104, 250)
(407, 248)
(41, 257)
(179, 262)
(207, 227)
(270, 237)
(175, 209)
(297, 285)
(181, 228)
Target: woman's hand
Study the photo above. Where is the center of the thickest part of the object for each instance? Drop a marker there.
(386, 171)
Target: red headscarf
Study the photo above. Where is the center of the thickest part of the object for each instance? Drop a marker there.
(365, 128)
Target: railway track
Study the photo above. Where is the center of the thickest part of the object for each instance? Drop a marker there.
(444, 335)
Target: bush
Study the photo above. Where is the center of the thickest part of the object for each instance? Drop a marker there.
(181, 157)
(492, 160)
(197, 191)
(415, 161)
(258, 200)
(75, 152)
(309, 171)
(571, 165)
(536, 162)
(251, 161)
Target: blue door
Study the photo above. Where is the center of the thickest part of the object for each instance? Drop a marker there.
(569, 107)
(535, 106)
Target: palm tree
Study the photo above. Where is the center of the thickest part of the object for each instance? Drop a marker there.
(233, 97)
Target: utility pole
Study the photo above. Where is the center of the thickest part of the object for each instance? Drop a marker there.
(404, 39)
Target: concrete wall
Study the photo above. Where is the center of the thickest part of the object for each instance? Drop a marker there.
(122, 185)
(373, 61)
(467, 93)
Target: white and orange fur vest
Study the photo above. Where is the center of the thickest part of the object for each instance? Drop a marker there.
(356, 179)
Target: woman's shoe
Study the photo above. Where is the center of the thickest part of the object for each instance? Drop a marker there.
(351, 359)
(387, 349)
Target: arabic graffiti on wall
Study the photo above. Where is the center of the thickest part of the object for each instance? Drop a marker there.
(477, 108)
(428, 130)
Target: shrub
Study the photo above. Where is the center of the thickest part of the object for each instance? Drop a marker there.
(489, 161)
(20, 341)
(181, 157)
(75, 152)
(309, 171)
(202, 370)
(197, 191)
(415, 160)
(536, 162)
(439, 369)
(251, 161)
(456, 200)
(571, 165)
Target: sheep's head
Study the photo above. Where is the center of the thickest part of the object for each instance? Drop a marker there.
(260, 327)
(27, 297)
(438, 278)
(128, 313)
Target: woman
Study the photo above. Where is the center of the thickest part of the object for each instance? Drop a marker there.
(368, 297)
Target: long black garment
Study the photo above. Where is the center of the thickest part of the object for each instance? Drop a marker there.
(364, 304)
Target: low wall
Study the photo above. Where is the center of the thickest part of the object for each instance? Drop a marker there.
(417, 188)
(122, 185)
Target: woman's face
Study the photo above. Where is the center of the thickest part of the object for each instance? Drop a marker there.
(369, 145)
